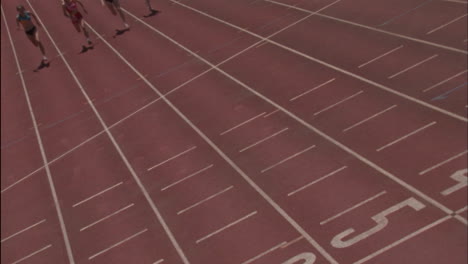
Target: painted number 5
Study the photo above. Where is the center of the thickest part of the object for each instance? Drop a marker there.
(339, 240)
(307, 257)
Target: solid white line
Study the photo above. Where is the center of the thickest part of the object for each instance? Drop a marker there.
(159, 261)
(456, 1)
(413, 66)
(335, 104)
(461, 219)
(286, 159)
(264, 253)
(97, 194)
(272, 113)
(313, 89)
(106, 217)
(444, 81)
(118, 244)
(462, 210)
(352, 208)
(369, 118)
(396, 243)
(19, 232)
(32, 254)
(444, 25)
(406, 136)
(442, 163)
(226, 227)
(63, 228)
(292, 242)
(174, 157)
(243, 123)
(205, 200)
(190, 176)
(381, 56)
(319, 179)
(263, 140)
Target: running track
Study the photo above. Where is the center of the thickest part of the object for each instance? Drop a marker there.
(247, 131)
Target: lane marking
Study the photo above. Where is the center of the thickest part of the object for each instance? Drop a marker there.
(243, 123)
(32, 254)
(263, 140)
(405, 13)
(462, 210)
(446, 24)
(97, 194)
(369, 118)
(406, 136)
(447, 93)
(396, 243)
(118, 244)
(188, 177)
(461, 219)
(58, 210)
(318, 180)
(352, 208)
(292, 242)
(286, 159)
(264, 253)
(174, 157)
(338, 103)
(456, 1)
(381, 56)
(106, 217)
(271, 113)
(442, 163)
(205, 200)
(159, 261)
(413, 66)
(23, 230)
(313, 89)
(226, 227)
(444, 81)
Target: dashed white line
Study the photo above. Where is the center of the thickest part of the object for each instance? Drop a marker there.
(226, 227)
(286, 159)
(413, 66)
(264, 139)
(188, 177)
(243, 123)
(32, 254)
(271, 113)
(406, 136)
(456, 1)
(381, 56)
(107, 217)
(338, 103)
(369, 118)
(461, 219)
(313, 89)
(23, 230)
(292, 242)
(117, 244)
(442, 163)
(462, 210)
(318, 180)
(204, 200)
(446, 24)
(97, 194)
(444, 81)
(174, 157)
(264, 253)
(159, 261)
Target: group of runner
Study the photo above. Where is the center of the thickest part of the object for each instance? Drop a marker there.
(70, 10)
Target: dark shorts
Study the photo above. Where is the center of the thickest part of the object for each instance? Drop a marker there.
(110, 1)
(31, 32)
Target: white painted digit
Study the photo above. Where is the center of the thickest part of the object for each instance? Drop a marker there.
(381, 221)
(461, 177)
(307, 257)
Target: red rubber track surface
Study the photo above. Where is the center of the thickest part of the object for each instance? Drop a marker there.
(283, 135)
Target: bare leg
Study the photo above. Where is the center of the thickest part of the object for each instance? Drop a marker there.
(39, 43)
(111, 8)
(122, 16)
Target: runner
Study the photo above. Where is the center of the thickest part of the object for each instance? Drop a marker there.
(113, 5)
(70, 9)
(24, 18)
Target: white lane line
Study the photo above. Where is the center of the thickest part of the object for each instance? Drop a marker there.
(106, 217)
(174, 157)
(264, 253)
(292, 242)
(461, 219)
(32, 254)
(263, 140)
(97, 194)
(313, 89)
(117, 244)
(318, 180)
(462, 210)
(456, 1)
(204, 200)
(396, 243)
(381, 56)
(442, 163)
(444, 81)
(188, 177)
(243, 123)
(159, 261)
(446, 24)
(413, 66)
(338, 103)
(406, 136)
(23, 230)
(370, 28)
(352, 208)
(286, 159)
(271, 113)
(226, 227)
(369, 118)
(58, 210)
